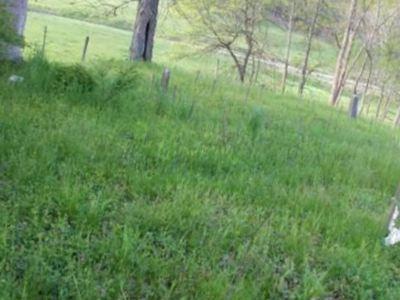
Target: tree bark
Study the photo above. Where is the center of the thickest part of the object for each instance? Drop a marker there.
(288, 46)
(304, 71)
(344, 54)
(144, 30)
(18, 12)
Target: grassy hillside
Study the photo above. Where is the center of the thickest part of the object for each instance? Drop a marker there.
(113, 189)
(123, 192)
(66, 37)
(172, 26)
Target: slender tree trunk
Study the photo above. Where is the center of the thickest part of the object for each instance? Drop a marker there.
(344, 54)
(144, 30)
(387, 106)
(311, 32)
(381, 98)
(288, 46)
(18, 12)
(366, 88)
(360, 75)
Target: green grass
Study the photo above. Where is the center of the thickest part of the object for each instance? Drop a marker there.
(201, 195)
(204, 192)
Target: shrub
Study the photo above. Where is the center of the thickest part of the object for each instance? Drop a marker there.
(75, 77)
(7, 34)
(115, 77)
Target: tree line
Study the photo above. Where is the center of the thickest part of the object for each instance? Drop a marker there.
(365, 32)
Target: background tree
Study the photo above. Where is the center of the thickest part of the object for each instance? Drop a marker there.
(228, 25)
(285, 74)
(309, 40)
(358, 11)
(144, 30)
(12, 24)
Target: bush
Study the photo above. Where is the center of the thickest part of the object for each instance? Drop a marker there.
(67, 77)
(115, 77)
(43, 76)
(7, 34)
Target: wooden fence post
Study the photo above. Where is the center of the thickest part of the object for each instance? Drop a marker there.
(353, 109)
(165, 79)
(85, 48)
(217, 69)
(396, 122)
(44, 40)
(197, 76)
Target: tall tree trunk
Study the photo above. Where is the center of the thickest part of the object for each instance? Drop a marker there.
(366, 100)
(144, 30)
(18, 12)
(288, 46)
(344, 54)
(311, 32)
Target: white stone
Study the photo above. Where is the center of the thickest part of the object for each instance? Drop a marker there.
(394, 233)
(14, 79)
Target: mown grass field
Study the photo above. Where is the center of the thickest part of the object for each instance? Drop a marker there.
(212, 192)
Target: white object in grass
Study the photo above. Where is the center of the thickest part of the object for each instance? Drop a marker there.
(14, 79)
(394, 233)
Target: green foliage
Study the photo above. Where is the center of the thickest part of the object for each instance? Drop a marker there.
(65, 77)
(115, 77)
(56, 78)
(7, 34)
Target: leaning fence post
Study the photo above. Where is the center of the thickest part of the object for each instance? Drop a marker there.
(85, 48)
(396, 122)
(165, 79)
(198, 73)
(353, 109)
(44, 39)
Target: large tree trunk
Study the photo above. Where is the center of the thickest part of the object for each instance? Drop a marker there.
(344, 54)
(144, 30)
(288, 46)
(304, 71)
(17, 9)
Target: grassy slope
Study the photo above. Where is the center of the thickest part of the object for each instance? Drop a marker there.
(202, 196)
